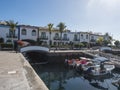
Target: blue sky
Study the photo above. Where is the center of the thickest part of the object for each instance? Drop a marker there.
(78, 15)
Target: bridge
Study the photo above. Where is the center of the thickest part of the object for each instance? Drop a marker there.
(34, 48)
(35, 54)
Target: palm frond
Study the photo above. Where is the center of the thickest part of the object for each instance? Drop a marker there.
(12, 24)
(50, 27)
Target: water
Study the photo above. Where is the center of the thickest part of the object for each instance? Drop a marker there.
(58, 77)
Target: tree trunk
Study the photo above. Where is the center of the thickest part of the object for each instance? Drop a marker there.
(49, 41)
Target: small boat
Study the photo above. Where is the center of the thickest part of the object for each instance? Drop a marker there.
(82, 61)
(96, 67)
(70, 63)
(96, 70)
(76, 62)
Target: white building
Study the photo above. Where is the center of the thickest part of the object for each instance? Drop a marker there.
(28, 32)
(24, 32)
(7, 34)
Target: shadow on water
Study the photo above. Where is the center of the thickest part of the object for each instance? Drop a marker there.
(58, 77)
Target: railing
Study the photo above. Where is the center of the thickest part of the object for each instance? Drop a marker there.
(75, 39)
(65, 39)
(10, 36)
(43, 38)
(56, 38)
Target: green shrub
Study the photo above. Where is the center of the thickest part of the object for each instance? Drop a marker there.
(85, 44)
(76, 45)
(53, 46)
(81, 45)
(5, 45)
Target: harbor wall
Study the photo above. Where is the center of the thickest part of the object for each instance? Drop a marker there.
(33, 79)
(56, 57)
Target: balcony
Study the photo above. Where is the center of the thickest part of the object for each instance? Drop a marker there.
(65, 39)
(76, 39)
(92, 40)
(56, 38)
(43, 38)
(10, 36)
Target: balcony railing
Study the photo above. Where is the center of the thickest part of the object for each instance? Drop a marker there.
(65, 39)
(92, 40)
(56, 38)
(10, 36)
(43, 38)
(76, 39)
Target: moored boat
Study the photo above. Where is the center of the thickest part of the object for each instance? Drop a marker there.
(76, 62)
(97, 67)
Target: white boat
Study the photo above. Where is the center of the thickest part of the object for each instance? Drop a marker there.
(76, 62)
(70, 63)
(100, 59)
(98, 67)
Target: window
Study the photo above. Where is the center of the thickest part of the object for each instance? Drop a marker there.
(75, 36)
(86, 36)
(55, 43)
(24, 32)
(56, 35)
(82, 36)
(11, 32)
(43, 34)
(65, 36)
(92, 37)
(33, 32)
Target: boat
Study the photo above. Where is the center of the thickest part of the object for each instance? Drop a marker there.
(76, 62)
(70, 62)
(97, 67)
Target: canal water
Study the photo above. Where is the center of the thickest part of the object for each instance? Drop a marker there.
(59, 77)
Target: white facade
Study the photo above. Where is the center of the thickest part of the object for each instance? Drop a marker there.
(23, 32)
(26, 32)
(6, 34)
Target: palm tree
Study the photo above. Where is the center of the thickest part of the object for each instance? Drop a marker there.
(12, 25)
(117, 43)
(108, 37)
(100, 40)
(61, 27)
(50, 27)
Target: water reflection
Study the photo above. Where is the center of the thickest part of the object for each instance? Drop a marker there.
(98, 81)
(57, 77)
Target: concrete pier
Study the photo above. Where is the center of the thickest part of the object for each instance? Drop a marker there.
(17, 74)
